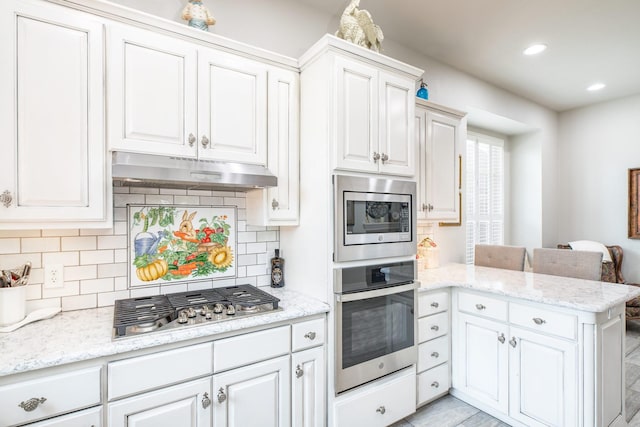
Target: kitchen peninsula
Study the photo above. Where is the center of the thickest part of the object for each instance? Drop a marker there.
(530, 349)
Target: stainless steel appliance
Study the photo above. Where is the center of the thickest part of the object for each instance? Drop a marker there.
(375, 318)
(374, 218)
(134, 316)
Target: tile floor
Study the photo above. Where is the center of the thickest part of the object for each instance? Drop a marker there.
(452, 412)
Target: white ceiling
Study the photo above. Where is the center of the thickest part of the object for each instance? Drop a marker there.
(589, 41)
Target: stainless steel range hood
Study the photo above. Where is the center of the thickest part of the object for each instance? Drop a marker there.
(172, 172)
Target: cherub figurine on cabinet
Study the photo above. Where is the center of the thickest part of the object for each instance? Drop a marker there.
(356, 26)
(198, 15)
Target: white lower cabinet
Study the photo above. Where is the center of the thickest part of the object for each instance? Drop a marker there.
(89, 417)
(308, 388)
(183, 405)
(253, 396)
(536, 367)
(379, 404)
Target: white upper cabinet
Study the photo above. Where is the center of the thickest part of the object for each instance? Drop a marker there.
(440, 135)
(52, 118)
(169, 96)
(152, 92)
(374, 119)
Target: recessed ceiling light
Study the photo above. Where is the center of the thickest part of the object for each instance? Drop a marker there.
(596, 86)
(534, 49)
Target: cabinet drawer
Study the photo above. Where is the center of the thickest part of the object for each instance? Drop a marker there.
(433, 382)
(157, 370)
(89, 417)
(433, 353)
(433, 302)
(546, 321)
(307, 334)
(431, 327)
(63, 393)
(242, 350)
(483, 305)
(390, 400)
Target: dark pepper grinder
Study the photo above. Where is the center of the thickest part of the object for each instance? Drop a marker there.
(277, 270)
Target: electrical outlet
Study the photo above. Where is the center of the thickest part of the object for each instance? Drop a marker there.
(53, 276)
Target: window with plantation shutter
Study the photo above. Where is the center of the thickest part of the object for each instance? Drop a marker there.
(484, 182)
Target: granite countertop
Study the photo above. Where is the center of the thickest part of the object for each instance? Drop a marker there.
(75, 336)
(578, 294)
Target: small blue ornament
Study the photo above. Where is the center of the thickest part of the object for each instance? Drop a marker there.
(423, 92)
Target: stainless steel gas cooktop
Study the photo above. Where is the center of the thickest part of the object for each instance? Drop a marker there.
(135, 316)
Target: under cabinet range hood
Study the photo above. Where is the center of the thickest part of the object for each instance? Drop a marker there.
(173, 172)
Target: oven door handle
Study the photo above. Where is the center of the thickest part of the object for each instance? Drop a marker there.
(375, 293)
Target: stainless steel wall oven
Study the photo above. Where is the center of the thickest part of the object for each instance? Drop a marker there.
(375, 321)
(374, 218)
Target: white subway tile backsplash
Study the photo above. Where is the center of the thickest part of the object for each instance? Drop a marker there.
(112, 242)
(85, 243)
(9, 246)
(96, 260)
(79, 302)
(96, 257)
(95, 286)
(40, 244)
(64, 258)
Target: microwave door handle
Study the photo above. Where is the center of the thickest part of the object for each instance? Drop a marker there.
(375, 293)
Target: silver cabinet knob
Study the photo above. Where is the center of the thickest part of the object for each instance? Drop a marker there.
(435, 384)
(381, 410)
(32, 404)
(310, 335)
(221, 395)
(435, 304)
(192, 139)
(513, 342)
(6, 198)
(275, 204)
(424, 207)
(384, 157)
(204, 141)
(299, 371)
(376, 156)
(501, 338)
(435, 328)
(539, 321)
(435, 354)
(206, 401)
(480, 306)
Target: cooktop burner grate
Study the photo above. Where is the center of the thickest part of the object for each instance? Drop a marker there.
(145, 314)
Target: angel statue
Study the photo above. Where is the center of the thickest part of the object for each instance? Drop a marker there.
(197, 15)
(357, 27)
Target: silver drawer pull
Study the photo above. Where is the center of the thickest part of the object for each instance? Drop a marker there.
(435, 384)
(501, 338)
(299, 371)
(381, 409)
(206, 402)
(435, 304)
(539, 321)
(32, 404)
(513, 342)
(221, 395)
(480, 306)
(310, 335)
(204, 141)
(6, 198)
(192, 139)
(435, 328)
(435, 354)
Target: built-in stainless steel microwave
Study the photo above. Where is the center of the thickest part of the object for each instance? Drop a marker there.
(373, 218)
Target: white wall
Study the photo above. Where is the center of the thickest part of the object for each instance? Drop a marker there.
(597, 146)
(289, 27)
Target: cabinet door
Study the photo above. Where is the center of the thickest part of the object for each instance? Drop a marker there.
(184, 405)
(89, 417)
(543, 379)
(356, 116)
(152, 92)
(232, 108)
(280, 205)
(51, 115)
(396, 139)
(308, 388)
(253, 396)
(482, 354)
(420, 134)
(444, 136)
